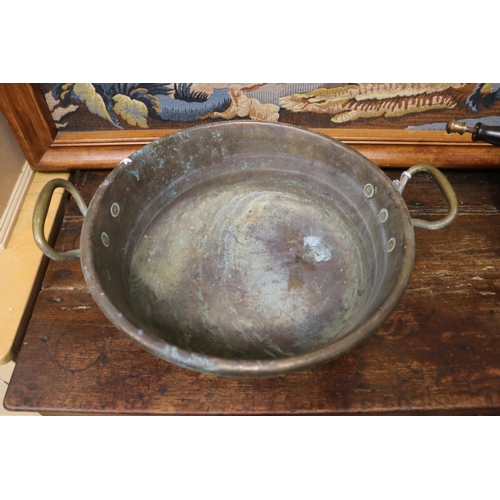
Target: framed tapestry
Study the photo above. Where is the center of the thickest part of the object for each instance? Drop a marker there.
(68, 126)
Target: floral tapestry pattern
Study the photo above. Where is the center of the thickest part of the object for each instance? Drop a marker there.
(111, 106)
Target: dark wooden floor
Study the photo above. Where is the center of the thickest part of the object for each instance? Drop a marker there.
(438, 353)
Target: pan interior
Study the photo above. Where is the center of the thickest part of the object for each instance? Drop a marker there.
(246, 241)
(248, 266)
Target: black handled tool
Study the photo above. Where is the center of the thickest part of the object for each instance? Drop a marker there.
(480, 132)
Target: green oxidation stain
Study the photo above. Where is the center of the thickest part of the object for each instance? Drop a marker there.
(189, 164)
(216, 135)
(135, 173)
(173, 193)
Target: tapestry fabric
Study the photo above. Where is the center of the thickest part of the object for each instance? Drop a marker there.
(77, 107)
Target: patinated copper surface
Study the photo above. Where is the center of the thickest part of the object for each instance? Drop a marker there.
(247, 249)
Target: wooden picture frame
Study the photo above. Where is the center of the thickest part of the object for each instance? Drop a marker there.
(47, 149)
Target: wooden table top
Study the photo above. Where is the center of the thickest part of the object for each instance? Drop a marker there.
(22, 267)
(438, 353)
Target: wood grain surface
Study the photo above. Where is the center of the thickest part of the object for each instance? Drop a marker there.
(386, 148)
(25, 110)
(438, 353)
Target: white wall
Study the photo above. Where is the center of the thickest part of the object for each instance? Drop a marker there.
(11, 163)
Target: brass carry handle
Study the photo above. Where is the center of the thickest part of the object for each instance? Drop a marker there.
(445, 187)
(40, 214)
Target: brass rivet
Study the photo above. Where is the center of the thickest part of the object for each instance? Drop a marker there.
(383, 215)
(105, 239)
(391, 244)
(115, 209)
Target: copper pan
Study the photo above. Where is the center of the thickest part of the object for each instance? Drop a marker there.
(246, 249)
